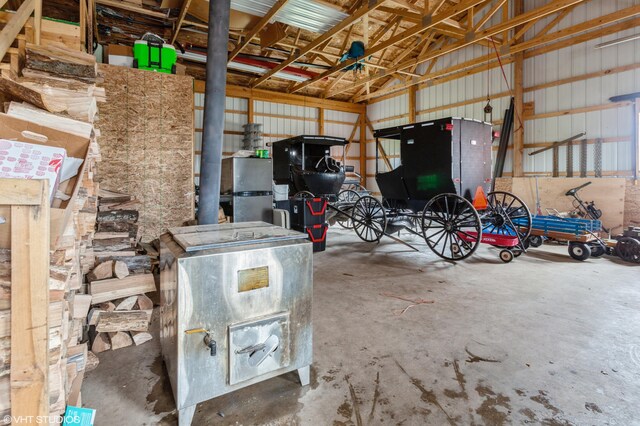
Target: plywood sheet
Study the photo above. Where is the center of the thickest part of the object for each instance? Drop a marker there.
(632, 204)
(147, 144)
(608, 194)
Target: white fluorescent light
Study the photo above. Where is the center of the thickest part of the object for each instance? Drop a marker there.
(617, 41)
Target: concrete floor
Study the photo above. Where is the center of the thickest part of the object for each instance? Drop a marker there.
(542, 340)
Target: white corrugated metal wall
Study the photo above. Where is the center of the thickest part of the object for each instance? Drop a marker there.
(613, 125)
(279, 121)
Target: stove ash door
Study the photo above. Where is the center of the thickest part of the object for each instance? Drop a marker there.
(258, 346)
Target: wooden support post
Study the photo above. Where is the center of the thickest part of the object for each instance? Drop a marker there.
(37, 21)
(518, 83)
(412, 104)
(250, 114)
(93, 25)
(363, 147)
(321, 121)
(29, 374)
(83, 24)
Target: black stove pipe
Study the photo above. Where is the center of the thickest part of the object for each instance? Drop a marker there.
(213, 126)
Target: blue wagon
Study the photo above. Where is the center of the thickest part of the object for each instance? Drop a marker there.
(581, 234)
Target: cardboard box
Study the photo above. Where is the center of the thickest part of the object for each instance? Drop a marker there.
(117, 54)
(76, 146)
(23, 160)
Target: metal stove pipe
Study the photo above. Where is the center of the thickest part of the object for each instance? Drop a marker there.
(213, 126)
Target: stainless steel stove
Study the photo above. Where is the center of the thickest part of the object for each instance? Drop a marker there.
(235, 308)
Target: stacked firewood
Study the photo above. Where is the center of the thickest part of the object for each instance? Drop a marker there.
(121, 310)
(61, 97)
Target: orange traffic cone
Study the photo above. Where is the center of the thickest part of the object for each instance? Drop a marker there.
(480, 200)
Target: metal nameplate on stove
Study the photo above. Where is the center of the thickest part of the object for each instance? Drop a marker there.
(253, 279)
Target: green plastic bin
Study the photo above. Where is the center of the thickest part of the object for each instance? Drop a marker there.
(152, 56)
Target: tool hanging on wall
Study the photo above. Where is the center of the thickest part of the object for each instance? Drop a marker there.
(503, 145)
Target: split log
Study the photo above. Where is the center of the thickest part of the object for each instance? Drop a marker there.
(100, 343)
(140, 337)
(108, 196)
(105, 290)
(93, 315)
(81, 305)
(102, 271)
(121, 339)
(91, 362)
(109, 235)
(144, 303)
(126, 304)
(134, 263)
(117, 216)
(115, 321)
(118, 254)
(5, 323)
(111, 244)
(106, 306)
(59, 63)
(129, 227)
(30, 113)
(120, 269)
(124, 205)
(15, 90)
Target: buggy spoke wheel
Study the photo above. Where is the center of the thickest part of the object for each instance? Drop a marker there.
(506, 214)
(346, 199)
(451, 227)
(369, 219)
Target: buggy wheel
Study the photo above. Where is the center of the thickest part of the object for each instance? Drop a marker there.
(506, 256)
(506, 214)
(597, 250)
(535, 240)
(369, 219)
(628, 249)
(346, 199)
(304, 194)
(451, 227)
(579, 251)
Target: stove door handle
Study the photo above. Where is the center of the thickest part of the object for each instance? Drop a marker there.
(269, 346)
(251, 349)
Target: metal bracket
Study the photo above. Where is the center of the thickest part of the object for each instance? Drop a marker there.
(427, 20)
(468, 37)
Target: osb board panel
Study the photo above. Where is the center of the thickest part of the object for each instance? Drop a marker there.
(146, 143)
(608, 194)
(632, 204)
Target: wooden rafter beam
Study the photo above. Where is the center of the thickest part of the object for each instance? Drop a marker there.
(555, 21)
(183, 13)
(132, 8)
(345, 23)
(429, 22)
(534, 14)
(538, 45)
(496, 7)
